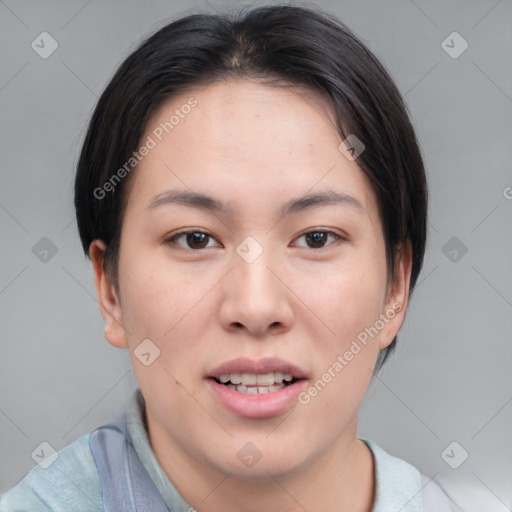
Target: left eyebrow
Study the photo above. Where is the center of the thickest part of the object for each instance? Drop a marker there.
(325, 198)
(204, 202)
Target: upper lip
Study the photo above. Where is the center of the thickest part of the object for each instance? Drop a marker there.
(258, 366)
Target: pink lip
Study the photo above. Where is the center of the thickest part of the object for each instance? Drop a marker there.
(257, 406)
(265, 365)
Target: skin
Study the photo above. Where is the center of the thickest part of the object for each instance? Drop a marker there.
(254, 148)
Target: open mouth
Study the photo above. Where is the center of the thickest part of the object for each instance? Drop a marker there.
(257, 388)
(256, 384)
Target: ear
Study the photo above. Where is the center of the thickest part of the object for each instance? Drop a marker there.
(107, 297)
(397, 296)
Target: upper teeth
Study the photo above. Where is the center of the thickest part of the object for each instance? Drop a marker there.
(252, 379)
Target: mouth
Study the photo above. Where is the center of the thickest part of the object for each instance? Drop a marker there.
(257, 388)
(256, 383)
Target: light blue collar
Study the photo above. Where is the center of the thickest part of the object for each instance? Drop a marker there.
(398, 484)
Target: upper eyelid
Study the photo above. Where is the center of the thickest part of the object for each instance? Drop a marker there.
(189, 231)
(328, 231)
(198, 230)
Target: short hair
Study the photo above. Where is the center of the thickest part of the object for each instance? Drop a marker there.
(298, 46)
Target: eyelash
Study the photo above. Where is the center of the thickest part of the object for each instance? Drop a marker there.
(177, 236)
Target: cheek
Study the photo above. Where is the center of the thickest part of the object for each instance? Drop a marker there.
(348, 299)
(173, 312)
(163, 303)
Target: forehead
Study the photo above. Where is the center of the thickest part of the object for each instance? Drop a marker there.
(239, 136)
(235, 118)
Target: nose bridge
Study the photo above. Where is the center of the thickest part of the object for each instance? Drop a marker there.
(254, 297)
(255, 280)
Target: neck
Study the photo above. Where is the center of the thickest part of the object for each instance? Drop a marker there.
(342, 479)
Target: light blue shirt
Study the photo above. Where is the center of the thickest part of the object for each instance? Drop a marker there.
(121, 451)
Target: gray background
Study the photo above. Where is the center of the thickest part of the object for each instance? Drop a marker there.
(450, 379)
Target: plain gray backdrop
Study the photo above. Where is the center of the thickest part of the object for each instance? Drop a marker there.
(450, 380)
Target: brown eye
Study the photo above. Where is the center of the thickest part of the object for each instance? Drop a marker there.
(318, 239)
(192, 240)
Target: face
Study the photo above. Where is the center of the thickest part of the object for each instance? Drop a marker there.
(251, 253)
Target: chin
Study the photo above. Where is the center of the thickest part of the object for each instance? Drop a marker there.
(264, 473)
(252, 465)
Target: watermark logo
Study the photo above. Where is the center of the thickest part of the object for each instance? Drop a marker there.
(351, 147)
(249, 249)
(44, 45)
(146, 352)
(249, 455)
(44, 250)
(454, 45)
(454, 455)
(454, 249)
(45, 455)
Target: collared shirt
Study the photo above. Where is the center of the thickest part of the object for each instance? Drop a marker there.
(117, 458)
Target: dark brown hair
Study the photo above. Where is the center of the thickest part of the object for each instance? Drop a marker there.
(277, 43)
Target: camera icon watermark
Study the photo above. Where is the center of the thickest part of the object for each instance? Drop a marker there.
(249, 249)
(454, 455)
(44, 455)
(146, 352)
(351, 147)
(249, 455)
(44, 45)
(454, 45)
(44, 250)
(454, 249)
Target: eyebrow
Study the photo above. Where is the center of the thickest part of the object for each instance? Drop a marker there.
(204, 202)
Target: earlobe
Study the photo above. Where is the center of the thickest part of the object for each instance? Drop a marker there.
(108, 301)
(398, 296)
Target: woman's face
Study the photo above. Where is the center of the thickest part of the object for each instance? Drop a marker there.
(285, 277)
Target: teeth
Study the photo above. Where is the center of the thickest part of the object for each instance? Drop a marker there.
(248, 379)
(266, 379)
(236, 378)
(251, 379)
(256, 390)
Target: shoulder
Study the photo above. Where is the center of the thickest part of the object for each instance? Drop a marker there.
(399, 483)
(435, 499)
(69, 482)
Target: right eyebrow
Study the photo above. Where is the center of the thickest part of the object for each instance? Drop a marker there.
(186, 198)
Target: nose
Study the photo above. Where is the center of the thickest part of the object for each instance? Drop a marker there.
(255, 299)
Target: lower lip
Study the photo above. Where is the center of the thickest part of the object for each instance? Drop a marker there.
(257, 406)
